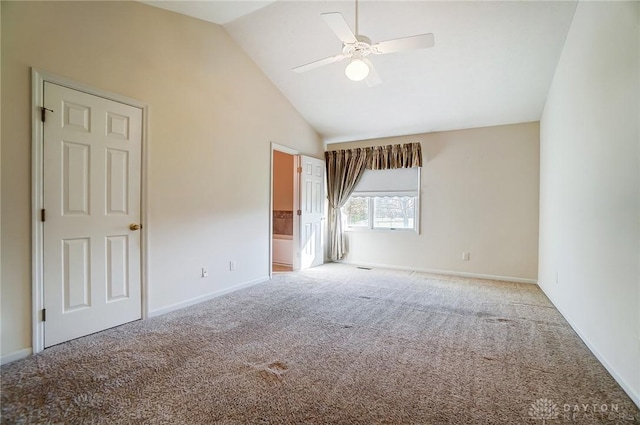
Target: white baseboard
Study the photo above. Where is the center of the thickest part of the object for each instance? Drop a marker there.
(16, 355)
(206, 297)
(621, 381)
(445, 272)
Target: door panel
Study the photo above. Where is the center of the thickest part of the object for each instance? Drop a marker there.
(117, 273)
(312, 211)
(92, 176)
(75, 171)
(117, 181)
(76, 280)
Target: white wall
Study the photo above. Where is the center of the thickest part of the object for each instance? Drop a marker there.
(590, 189)
(479, 194)
(213, 115)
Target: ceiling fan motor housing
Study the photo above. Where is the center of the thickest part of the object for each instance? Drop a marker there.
(362, 47)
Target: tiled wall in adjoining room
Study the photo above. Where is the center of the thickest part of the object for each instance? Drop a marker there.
(283, 222)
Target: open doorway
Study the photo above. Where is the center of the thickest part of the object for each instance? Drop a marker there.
(283, 210)
(296, 219)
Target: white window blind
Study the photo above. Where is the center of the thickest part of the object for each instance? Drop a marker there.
(394, 182)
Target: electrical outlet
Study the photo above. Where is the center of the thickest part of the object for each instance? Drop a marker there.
(205, 272)
(557, 278)
(465, 256)
(232, 266)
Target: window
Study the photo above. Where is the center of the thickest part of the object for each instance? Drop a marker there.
(384, 200)
(356, 211)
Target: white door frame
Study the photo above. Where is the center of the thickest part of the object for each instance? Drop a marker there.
(296, 218)
(38, 77)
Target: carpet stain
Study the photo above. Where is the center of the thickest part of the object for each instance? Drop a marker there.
(269, 376)
(498, 320)
(277, 366)
(273, 373)
(534, 305)
(545, 322)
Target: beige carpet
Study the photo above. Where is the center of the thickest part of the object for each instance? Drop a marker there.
(331, 345)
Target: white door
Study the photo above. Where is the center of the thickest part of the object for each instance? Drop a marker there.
(311, 211)
(91, 249)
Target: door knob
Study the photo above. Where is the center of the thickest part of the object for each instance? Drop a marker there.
(134, 226)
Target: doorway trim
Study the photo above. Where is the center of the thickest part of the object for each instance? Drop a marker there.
(296, 218)
(38, 77)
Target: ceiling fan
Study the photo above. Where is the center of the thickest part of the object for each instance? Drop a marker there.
(357, 47)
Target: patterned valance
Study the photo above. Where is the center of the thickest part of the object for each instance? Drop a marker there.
(388, 157)
(396, 156)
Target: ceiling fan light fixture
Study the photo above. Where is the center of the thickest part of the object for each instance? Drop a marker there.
(357, 70)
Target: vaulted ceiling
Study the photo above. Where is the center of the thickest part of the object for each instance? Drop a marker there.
(492, 64)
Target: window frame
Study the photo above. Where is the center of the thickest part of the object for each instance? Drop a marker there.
(370, 227)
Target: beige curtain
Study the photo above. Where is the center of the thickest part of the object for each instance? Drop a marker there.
(344, 169)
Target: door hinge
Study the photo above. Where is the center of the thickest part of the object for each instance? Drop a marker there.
(43, 215)
(43, 113)
(299, 170)
(44, 314)
(299, 212)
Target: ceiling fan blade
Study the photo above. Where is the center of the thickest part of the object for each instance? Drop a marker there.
(319, 63)
(373, 79)
(422, 41)
(340, 27)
